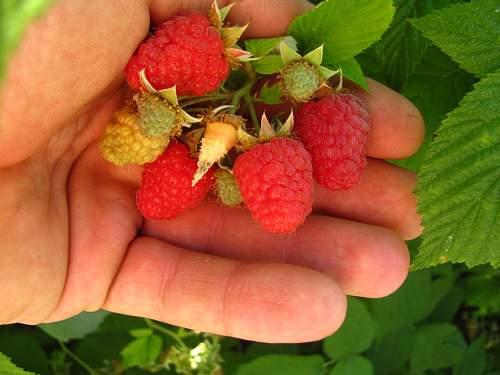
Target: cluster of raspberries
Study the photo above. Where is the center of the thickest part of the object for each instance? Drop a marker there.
(196, 132)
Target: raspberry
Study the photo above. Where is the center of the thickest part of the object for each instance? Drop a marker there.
(300, 81)
(335, 132)
(227, 188)
(157, 117)
(276, 183)
(185, 51)
(166, 188)
(122, 142)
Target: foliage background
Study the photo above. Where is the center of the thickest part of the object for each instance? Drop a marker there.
(444, 320)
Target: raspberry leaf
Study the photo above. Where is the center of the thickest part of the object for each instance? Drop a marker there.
(353, 365)
(270, 94)
(269, 64)
(9, 368)
(459, 186)
(350, 69)
(468, 32)
(346, 27)
(15, 17)
(74, 328)
(283, 365)
(262, 47)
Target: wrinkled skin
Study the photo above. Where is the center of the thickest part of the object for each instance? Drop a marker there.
(73, 240)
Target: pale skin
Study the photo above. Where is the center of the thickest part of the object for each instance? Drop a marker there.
(73, 241)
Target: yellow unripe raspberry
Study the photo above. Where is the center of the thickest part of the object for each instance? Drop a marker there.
(122, 142)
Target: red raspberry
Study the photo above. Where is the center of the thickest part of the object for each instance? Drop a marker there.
(276, 183)
(166, 188)
(185, 51)
(335, 131)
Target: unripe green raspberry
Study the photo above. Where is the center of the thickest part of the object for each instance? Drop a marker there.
(157, 117)
(227, 189)
(300, 81)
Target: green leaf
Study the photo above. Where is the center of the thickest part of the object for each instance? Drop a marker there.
(355, 335)
(15, 17)
(459, 183)
(142, 352)
(468, 32)
(262, 47)
(8, 368)
(483, 291)
(437, 346)
(24, 351)
(353, 365)
(270, 64)
(402, 47)
(406, 306)
(270, 94)
(346, 27)
(393, 350)
(351, 70)
(436, 87)
(473, 361)
(283, 365)
(448, 306)
(100, 347)
(76, 327)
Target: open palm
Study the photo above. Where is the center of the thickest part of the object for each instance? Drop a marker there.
(73, 241)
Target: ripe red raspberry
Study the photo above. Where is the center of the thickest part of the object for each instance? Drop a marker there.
(335, 132)
(185, 51)
(166, 188)
(276, 183)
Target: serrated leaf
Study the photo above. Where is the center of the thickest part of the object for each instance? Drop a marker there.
(142, 352)
(408, 305)
(346, 27)
(436, 87)
(8, 368)
(355, 335)
(76, 327)
(402, 47)
(270, 94)
(351, 70)
(393, 350)
(277, 364)
(269, 64)
(468, 32)
(262, 47)
(353, 365)
(15, 17)
(25, 351)
(437, 346)
(459, 185)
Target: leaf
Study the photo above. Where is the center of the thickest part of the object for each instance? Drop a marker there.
(262, 47)
(345, 27)
(270, 94)
(468, 32)
(483, 291)
(353, 365)
(24, 351)
(448, 306)
(406, 306)
(277, 364)
(8, 368)
(76, 327)
(355, 335)
(351, 70)
(437, 346)
(270, 64)
(459, 185)
(402, 47)
(15, 17)
(100, 347)
(393, 350)
(473, 361)
(142, 352)
(436, 88)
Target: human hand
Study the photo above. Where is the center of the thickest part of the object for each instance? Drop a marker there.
(73, 240)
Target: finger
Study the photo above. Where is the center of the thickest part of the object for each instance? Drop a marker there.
(397, 128)
(365, 260)
(266, 17)
(254, 301)
(384, 197)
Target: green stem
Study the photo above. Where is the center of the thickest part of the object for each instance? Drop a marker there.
(249, 70)
(251, 109)
(76, 358)
(238, 95)
(165, 331)
(203, 99)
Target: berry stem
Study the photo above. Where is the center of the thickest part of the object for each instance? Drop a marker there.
(77, 359)
(240, 94)
(248, 101)
(166, 332)
(210, 98)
